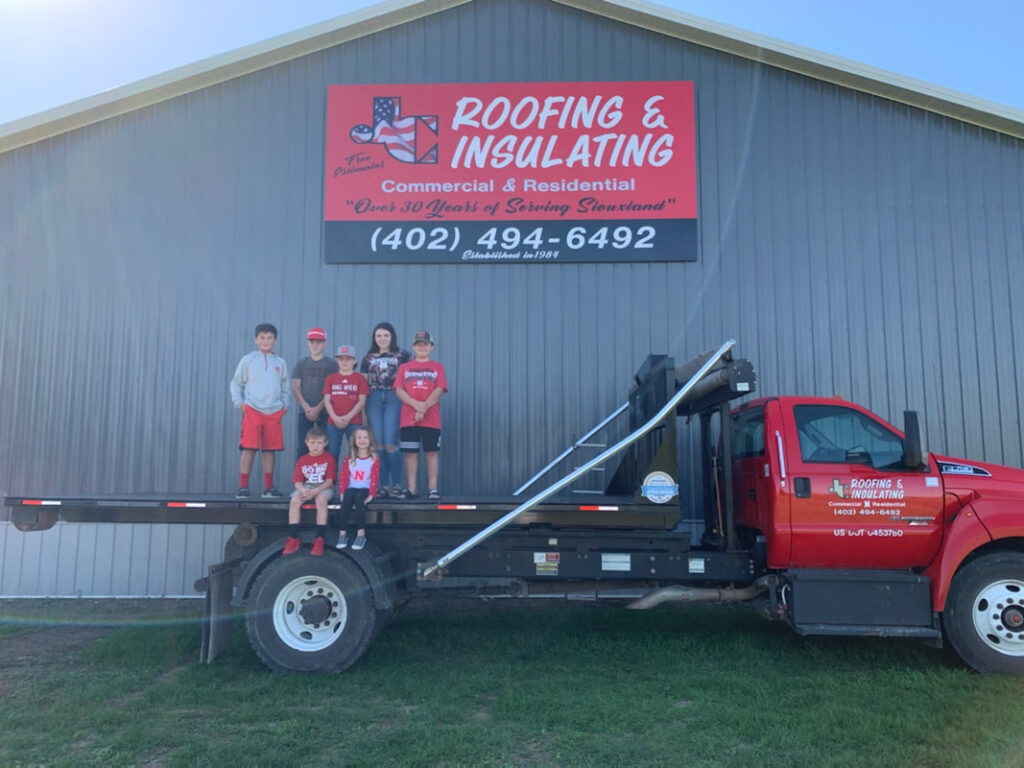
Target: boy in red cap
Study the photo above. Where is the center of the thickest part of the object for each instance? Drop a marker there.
(308, 378)
(419, 385)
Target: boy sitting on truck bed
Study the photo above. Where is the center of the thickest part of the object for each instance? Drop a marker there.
(419, 385)
(314, 479)
(260, 390)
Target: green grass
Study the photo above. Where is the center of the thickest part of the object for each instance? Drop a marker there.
(513, 685)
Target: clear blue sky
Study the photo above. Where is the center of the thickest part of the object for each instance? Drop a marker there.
(55, 51)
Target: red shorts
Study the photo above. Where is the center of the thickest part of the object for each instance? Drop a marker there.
(261, 431)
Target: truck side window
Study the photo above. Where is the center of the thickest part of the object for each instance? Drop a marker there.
(837, 435)
(748, 434)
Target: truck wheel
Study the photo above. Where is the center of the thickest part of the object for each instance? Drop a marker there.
(311, 614)
(984, 617)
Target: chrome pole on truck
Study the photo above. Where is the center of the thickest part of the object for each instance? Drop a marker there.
(428, 569)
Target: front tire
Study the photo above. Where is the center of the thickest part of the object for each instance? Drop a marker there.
(984, 616)
(311, 614)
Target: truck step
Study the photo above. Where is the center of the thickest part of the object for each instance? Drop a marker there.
(867, 630)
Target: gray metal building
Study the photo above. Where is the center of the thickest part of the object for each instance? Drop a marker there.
(859, 234)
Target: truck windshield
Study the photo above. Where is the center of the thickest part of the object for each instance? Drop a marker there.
(834, 434)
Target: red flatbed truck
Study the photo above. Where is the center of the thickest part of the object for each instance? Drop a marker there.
(816, 512)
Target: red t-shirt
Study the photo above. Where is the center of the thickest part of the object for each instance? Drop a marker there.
(419, 380)
(315, 470)
(344, 391)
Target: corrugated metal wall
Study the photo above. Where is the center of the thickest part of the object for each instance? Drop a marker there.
(107, 560)
(853, 245)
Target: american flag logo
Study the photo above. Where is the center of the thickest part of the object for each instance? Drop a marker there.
(411, 139)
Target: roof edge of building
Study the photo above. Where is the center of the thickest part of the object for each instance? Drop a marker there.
(215, 69)
(810, 62)
(376, 18)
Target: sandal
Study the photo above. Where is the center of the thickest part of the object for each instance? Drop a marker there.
(397, 494)
(407, 494)
(383, 493)
(434, 495)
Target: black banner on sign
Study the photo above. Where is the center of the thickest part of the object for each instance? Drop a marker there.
(490, 242)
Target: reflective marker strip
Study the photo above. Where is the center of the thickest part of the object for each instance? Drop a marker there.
(599, 509)
(40, 503)
(456, 506)
(190, 504)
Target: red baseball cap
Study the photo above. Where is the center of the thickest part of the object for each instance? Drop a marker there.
(316, 334)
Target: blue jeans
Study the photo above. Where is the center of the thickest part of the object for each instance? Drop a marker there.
(334, 436)
(383, 409)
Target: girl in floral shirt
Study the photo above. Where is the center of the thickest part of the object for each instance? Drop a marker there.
(383, 408)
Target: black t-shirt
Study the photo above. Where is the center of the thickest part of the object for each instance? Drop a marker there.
(380, 368)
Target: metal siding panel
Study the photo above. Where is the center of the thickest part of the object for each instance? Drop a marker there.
(71, 559)
(1009, 283)
(852, 245)
(981, 335)
(10, 560)
(29, 554)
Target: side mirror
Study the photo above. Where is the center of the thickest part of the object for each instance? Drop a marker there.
(913, 454)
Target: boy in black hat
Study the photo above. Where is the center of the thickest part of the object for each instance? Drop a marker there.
(419, 385)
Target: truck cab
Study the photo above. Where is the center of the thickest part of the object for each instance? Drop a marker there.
(869, 535)
(826, 482)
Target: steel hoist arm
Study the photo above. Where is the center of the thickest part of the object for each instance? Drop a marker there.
(428, 569)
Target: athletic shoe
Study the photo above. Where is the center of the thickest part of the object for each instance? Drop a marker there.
(342, 541)
(242, 493)
(383, 493)
(291, 545)
(318, 547)
(359, 543)
(396, 492)
(434, 495)
(272, 493)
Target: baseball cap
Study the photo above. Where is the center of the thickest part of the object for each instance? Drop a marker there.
(423, 336)
(316, 334)
(346, 350)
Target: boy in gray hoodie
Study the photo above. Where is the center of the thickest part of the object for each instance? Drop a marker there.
(259, 389)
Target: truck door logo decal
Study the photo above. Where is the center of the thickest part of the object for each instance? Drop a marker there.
(839, 489)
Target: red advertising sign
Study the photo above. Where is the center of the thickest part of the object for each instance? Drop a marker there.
(510, 172)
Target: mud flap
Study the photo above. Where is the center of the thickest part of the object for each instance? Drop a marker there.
(217, 611)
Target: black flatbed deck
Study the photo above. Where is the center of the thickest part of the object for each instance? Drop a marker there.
(590, 511)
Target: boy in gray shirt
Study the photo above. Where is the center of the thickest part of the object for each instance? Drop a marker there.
(259, 389)
(308, 386)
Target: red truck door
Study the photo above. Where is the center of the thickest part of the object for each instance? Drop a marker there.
(853, 502)
(759, 490)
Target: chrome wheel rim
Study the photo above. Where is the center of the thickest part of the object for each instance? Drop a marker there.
(999, 616)
(310, 613)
